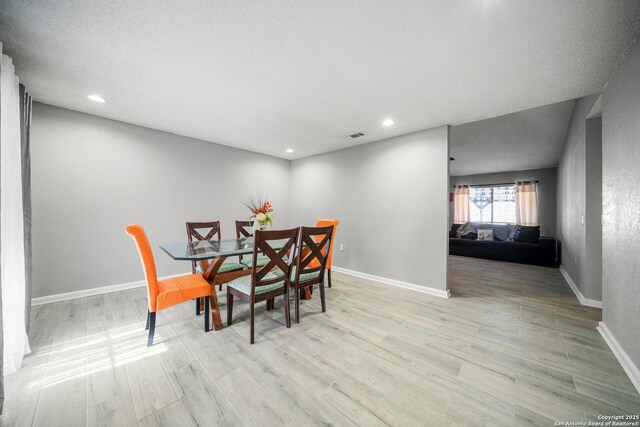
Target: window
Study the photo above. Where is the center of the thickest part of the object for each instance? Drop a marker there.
(493, 204)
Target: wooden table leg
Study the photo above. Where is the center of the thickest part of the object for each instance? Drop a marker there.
(210, 269)
(215, 309)
(306, 294)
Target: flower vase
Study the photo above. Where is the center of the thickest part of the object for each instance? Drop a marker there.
(256, 226)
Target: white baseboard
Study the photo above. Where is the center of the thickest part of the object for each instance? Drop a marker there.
(94, 291)
(584, 301)
(140, 283)
(393, 282)
(629, 367)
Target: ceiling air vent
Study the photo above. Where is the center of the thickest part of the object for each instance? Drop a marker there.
(356, 135)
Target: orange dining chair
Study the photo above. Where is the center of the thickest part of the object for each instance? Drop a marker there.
(311, 261)
(326, 223)
(169, 292)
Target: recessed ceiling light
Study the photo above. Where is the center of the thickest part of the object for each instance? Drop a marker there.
(289, 150)
(387, 123)
(96, 98)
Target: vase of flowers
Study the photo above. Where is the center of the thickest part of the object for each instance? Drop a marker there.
(261, 213)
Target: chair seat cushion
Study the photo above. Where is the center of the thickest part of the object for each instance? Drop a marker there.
(243, 284)
(304, 276)
(224, 268)
(179, 289)
(230, 266)
(247, 261)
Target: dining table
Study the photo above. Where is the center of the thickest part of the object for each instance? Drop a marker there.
(211, 254)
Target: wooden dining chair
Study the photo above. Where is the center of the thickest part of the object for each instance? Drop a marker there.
(326, 223)
(169, 292)
(211, 231)
(245, 229)
(314, 244)
(268, 282)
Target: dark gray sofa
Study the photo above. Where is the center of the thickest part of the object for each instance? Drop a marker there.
(546, 252)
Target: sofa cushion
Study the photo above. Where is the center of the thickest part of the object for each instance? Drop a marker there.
(506, 232)
(501, 232)
(520, 247)
(464, 229)
(454, 230)
(527, 234)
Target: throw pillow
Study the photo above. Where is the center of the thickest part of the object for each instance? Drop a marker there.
(471, 236)
(513, 229)
(485, 234)
(501, 232)
(527, 234)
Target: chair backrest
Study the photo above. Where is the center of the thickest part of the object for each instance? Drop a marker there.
(325, 223)
(244, 229)
(148, 264)
(313, 252)
(264, 242)
(213, 228)
(212, 232)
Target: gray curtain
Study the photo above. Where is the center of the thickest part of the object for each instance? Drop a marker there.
(1, 325)
(25, 129)
(25, 133)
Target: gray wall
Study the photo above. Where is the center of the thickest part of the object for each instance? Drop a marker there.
(93, 176)
(391, 198)
(593, 209)
(546, 192)
(621, 199)
(572, 196)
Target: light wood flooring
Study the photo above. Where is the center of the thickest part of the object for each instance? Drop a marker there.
(511, 347)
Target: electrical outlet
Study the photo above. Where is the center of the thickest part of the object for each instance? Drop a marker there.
(341, 247)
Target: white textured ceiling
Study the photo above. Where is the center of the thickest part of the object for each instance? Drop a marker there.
(529, 139)
(269, 75)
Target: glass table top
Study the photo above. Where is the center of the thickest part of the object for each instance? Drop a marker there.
(207, 249)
